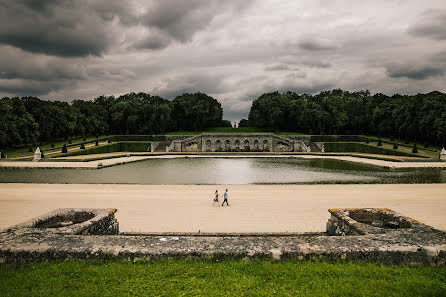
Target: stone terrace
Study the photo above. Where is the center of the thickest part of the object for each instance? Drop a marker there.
(73, 234)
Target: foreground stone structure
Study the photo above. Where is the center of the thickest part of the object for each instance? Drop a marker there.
(243, 142)
(367, 235)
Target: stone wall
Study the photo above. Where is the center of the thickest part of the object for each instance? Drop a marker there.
(77, 234)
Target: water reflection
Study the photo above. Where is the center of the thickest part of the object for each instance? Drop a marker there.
(226, 171)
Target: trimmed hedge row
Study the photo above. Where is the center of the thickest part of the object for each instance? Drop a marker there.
(116, 138)
(137, 146)
(338, 138)
(355, 147)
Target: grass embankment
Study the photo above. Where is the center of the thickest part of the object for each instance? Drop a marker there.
(229, 277)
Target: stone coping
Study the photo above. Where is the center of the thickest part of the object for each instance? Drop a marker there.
(53, 221)
(385, 220)
(409, 246)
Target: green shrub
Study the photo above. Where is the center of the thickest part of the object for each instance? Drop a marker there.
(395, 146)
(380, 142)
(64, 149)
(415, 149)
(82, 146)
(84, 139)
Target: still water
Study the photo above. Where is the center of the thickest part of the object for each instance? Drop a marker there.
(225, 171)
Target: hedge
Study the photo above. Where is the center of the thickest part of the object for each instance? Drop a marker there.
(355, 147)
(338, 138)
(116, 138)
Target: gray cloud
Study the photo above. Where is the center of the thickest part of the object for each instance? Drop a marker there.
(171, 20)
(316, 44)
(20, 87)
(15, 64)
(233, 50)
(431, 25)
(62, 28)
(417, 72)
(179, 19)
(154, 41)
(316, 64)
(172, 87)
(278, 67)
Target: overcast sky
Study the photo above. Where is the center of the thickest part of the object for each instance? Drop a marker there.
(231, 50)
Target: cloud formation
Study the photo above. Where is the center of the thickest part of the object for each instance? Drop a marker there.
(232, 50)
(432, 25)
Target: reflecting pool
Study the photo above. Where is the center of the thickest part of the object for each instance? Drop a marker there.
(226, 171)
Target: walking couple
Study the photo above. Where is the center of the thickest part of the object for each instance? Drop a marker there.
(225, 198)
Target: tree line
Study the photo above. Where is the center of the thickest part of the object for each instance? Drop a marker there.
(421, 117)
(30, 119)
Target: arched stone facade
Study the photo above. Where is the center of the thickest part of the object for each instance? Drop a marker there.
(239, 142)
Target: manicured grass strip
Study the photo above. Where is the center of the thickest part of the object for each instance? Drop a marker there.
(184, 133)
(226, 278)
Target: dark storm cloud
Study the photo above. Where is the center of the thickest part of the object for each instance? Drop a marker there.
(432, 25)
(16, 64)
(179, 19)
(62, 28)
(170, 20)
(20, 87)
(416, 72)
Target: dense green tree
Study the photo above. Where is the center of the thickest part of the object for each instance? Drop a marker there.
(196, 111)
(417, 118)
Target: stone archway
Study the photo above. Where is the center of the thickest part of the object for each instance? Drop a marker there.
(256, 145)
(237, 145)
(218, 147)
(246, 147)
(208, 147)
(227, 145)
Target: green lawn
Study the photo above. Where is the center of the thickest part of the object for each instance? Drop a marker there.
(184, 133)
(225, 278)
(290, 133)
(421, 152)
(45, 147)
